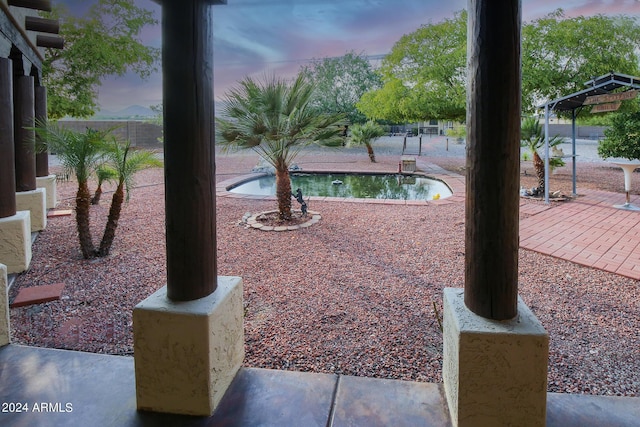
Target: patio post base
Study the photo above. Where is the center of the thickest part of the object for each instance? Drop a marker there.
(5, 336)
(495, 372)
(15, 242)
(34, 201)
(49, 184)
(187, 353)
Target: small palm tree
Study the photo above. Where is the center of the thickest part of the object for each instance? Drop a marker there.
(274, 119)
(532, 137)
(103, 173)
(126, 164)
(79, 154)
(365, 134)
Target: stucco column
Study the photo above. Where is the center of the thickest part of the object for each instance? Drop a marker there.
(188, 339)
(495, 351)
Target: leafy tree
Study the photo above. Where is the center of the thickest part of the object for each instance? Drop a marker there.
(622, 139)
(364, 134)
(559, 54)
(275, 119)
(79, 153)
(424, 75)
(104, 42)
(340, 83)
(126, 163)
(532, 137)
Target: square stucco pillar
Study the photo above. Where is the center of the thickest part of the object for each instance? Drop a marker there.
(5, 337)
(49, 184)
(187, 353)
(34, 201)
(495, 372)
(15, 242)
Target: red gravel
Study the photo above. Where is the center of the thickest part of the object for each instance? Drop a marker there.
(351, 295)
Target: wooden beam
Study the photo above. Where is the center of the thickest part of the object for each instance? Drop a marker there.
(189, 154)
(7, 153)
(18, 40)
(493, 158)
(44, 5)
(24, 139)
(42, 157)
(54, 42)
(42, 25)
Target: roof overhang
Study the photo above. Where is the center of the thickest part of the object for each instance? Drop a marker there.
(599, 86)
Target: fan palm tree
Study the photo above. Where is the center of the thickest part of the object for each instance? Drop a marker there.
(365, 134)
(274, 119)
(126, 164)
(532, 137)
(79, 154)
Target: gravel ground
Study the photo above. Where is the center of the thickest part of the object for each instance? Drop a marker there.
(352, 294)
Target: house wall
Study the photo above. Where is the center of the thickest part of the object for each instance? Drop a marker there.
(141, 134)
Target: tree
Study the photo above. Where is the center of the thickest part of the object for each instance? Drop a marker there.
(79, 154)
(622, 139)
(126, 163)
(104, 42)
(276, 120)
(364, 134)
(103, 173)
(424, 75)
(340, 83)
(533, 138)
(559, 54)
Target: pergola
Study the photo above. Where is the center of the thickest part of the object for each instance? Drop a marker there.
(603, 85)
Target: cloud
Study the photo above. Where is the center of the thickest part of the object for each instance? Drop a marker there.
(258, 37)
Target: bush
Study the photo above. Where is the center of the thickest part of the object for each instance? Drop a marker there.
(622, 139)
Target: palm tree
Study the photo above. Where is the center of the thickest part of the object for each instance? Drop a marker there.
(274, 119)
(532, 137)
(79, 154)
(126, 164)
(103, 173)
(365, 134)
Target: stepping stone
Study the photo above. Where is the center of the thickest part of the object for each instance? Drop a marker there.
(37, 295)
(60, 212)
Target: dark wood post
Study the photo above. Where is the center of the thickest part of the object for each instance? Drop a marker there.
(42, 157)
(493, 167)
(7, 150)
(189, 155)
(25, 153)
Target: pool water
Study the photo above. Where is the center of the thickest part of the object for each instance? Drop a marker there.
(361, 186)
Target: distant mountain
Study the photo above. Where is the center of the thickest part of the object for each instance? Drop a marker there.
(133, 111)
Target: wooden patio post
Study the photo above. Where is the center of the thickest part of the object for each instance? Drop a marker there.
(189, 155)
(7, 150)
(493, 167)
(25, 153)
(42, 157)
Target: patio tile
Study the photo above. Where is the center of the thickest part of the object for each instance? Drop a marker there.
(380, 402)
(37, 295)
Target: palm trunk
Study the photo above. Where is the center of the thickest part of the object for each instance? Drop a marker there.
(112, 221)
(372, 156)
(538, 165)
(283, 192)
(83, 200)
(96, 196)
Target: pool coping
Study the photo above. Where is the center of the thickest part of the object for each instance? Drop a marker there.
(453, 181)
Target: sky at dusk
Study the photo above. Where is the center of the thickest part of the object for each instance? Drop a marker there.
(258, 37)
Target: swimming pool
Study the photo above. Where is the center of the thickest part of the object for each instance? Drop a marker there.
(348, 185)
